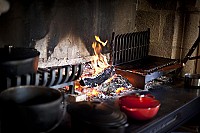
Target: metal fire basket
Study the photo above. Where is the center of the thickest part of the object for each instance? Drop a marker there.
(54, 77)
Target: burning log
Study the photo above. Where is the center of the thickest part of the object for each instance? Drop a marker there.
(99, 78)
(102, 70)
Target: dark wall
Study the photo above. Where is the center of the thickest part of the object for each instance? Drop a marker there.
(25, 22)
(29, 21)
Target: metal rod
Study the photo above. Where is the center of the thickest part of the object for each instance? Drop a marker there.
(51, 77)
(59, 76)
(80, 71)
(188, 55)
(194, 58)
(73, 74)
(43, 78)
(66, 75)
(194, 46)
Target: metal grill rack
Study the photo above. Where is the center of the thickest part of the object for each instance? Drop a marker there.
(54, 77)
(129, 56)
(129, 47)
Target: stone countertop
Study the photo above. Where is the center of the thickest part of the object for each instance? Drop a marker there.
(178, 104)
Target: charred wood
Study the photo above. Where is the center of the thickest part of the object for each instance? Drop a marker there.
(99, 78)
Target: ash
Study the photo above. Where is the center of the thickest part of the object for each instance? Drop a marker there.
(108, 89)
(117, 82)
(159, 81)
(112, 88)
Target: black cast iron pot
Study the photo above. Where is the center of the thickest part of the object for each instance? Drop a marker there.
(18, 61)
(192, 80)
(31, 109)
(96, 117)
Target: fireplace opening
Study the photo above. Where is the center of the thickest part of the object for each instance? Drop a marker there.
(63, 31)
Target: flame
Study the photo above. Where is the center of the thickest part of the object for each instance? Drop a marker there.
(98, 39)
(78, 87)
(99, 61)
(93, 92)
(119, 90)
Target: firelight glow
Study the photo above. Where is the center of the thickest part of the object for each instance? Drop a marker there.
(99, 61)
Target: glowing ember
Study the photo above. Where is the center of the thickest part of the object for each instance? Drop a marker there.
(119, 90)
(113, 87)
(92, 93)
(78, 87)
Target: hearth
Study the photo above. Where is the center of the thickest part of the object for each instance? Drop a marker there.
(83, 82)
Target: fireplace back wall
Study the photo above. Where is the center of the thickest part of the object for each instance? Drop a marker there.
(63, 30)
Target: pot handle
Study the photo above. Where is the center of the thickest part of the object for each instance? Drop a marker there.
(64, 107)
(8, 48)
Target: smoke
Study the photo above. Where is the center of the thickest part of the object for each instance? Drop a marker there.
(4, 6)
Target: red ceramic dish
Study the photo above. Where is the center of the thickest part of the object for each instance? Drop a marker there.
(141, 107)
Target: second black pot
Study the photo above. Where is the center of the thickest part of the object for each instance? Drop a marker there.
(18, 61)
(96, 117)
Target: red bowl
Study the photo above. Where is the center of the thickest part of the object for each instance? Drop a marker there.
(140, 107)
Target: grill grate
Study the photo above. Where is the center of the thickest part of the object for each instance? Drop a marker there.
(129, 47)
(129, 55)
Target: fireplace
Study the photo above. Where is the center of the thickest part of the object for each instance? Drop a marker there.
(63, 31)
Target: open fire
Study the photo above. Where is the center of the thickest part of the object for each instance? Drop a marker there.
(112, 88)
(99, 80)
